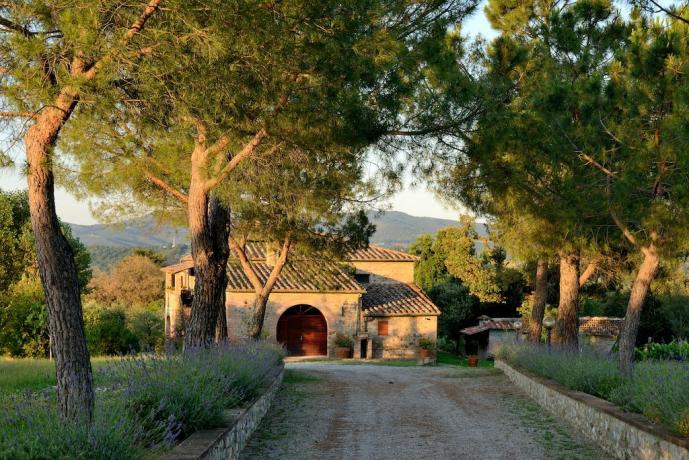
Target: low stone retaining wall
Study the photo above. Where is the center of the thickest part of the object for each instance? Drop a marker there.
(227, 443)
(622, 434)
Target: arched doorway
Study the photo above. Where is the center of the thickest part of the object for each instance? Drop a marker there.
(302, 329)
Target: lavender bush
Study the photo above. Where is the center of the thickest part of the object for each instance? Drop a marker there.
(143, 404)
(656, 388)
(660, 391)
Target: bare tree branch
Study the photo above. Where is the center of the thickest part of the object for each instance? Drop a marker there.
(247, 267)
(625, 231)
(591, 161)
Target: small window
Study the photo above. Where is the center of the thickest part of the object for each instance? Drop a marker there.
(191, 271)
(172, 280)
(363, 278)
(382, 327)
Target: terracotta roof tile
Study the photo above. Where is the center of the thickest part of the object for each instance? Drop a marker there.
(600, 325)
(396, 299)
(183, 265)
(593, 325)
(379, 253)
(304, 276)
(256, 250)
(501, 324)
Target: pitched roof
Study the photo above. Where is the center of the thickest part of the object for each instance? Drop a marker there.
(397, 299)
(374, 253)
(297, 276)
(502, 324)
(593, 325)
(179, 267)
(600, 325)
(256, 250)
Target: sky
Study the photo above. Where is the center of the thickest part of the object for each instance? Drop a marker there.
(416, 201)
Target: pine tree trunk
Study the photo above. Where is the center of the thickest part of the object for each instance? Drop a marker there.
(209, 225)
(57, 268)
(221, 332)
(566, 331)
(256, 326)
(640, 287)
(540, 297)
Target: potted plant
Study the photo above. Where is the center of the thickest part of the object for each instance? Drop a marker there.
(472, 360)
(343, 345)
(426, 347)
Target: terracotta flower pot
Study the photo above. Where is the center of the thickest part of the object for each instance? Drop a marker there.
(342, 352)
(472, 361)
(424, 353)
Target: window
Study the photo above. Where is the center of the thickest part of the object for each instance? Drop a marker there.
(363, 278)
(190, 272)
(172, 281)
(382, 327)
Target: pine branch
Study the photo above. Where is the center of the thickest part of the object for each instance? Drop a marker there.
(166, 187)
(134, 29)
(670, 12)
(17, 114)
(246, 151)
(12, 26)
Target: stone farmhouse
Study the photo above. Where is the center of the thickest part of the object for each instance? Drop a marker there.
(370, 297)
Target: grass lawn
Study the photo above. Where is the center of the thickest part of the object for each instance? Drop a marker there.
(454, 360)
(32, 374)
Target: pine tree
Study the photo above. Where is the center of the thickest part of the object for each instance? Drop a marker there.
(53, 57)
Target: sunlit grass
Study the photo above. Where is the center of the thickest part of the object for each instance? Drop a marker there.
(32, 373)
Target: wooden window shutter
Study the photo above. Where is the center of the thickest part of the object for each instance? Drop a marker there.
(382, 327)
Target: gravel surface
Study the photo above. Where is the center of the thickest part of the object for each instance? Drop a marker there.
(333, 411)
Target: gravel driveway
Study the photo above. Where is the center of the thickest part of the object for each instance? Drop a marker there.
(334, 411)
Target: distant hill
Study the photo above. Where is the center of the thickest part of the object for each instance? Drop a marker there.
(393, 229)
(108, 244)
(396, 229)
(138, 233)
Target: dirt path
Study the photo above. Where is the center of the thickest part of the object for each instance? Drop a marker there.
(332, 411)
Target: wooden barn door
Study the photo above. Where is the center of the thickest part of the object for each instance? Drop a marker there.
(303, 331)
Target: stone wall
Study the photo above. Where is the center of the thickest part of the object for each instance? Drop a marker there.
(621, 434)
(403, 335)
(387, 271)
(227, 443)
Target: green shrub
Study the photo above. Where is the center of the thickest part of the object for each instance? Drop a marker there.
(427, 344)
(677, 350)
(107, 332)
(343, 341)
(148, 327)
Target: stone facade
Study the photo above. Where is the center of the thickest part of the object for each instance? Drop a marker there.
(403, 333)
(377, 286)
(227, 443)
(622, 435)
(386, 271)
(341, 311)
